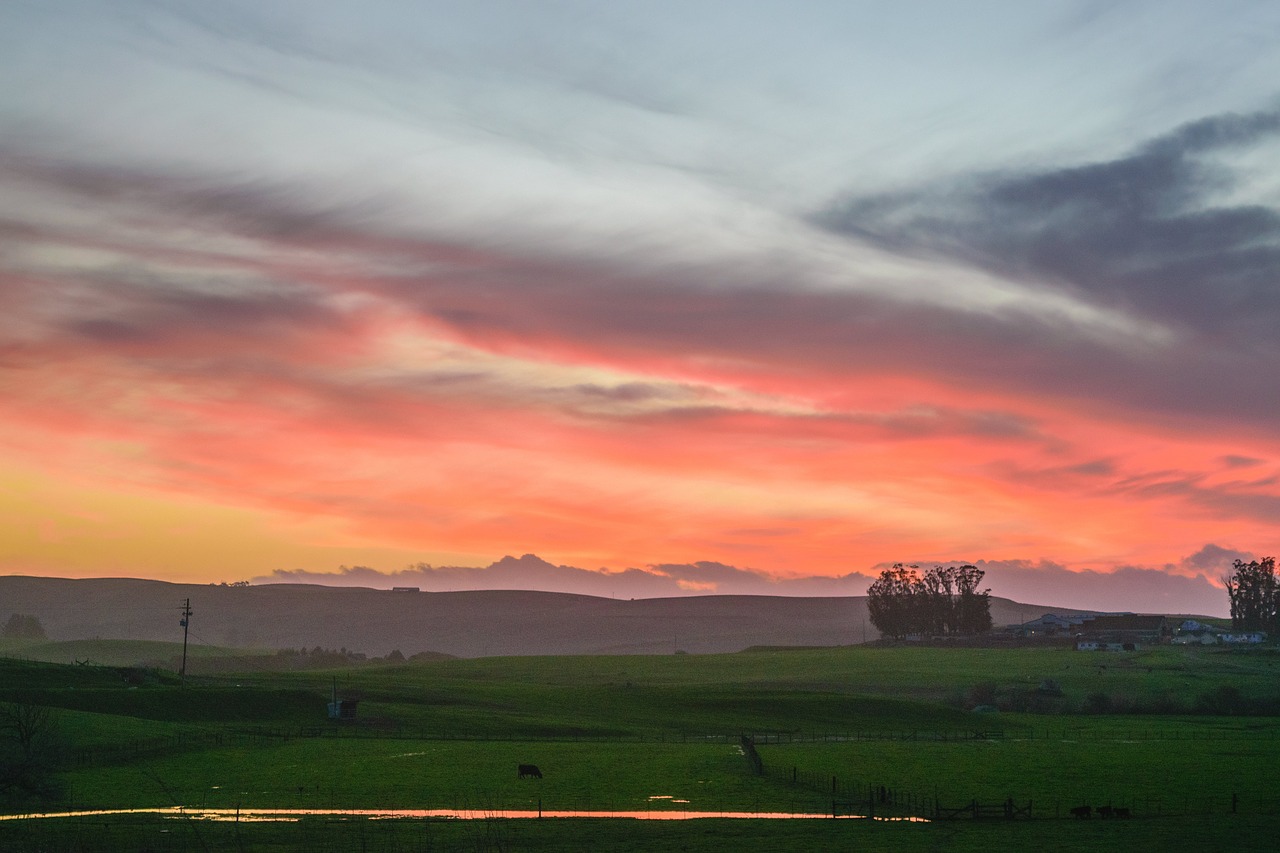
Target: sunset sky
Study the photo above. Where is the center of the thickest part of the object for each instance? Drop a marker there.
(742, 296)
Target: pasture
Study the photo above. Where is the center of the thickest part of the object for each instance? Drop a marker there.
(888, 730)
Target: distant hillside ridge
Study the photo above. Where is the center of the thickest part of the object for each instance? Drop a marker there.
(465, 624)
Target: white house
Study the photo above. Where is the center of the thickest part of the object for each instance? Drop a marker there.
(1246, 637)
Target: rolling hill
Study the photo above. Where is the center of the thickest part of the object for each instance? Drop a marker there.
(465, 624)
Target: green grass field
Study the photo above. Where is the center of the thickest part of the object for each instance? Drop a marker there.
(654, 734)
(111, 652)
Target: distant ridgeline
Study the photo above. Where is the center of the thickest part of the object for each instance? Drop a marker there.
(462, 624)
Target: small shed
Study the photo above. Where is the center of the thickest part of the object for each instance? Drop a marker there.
(1125, 629)
(1102, 646)
(1050, 624)
(1205, 638)
(342, 710)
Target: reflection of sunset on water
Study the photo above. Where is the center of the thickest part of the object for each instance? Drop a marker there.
(290, 815)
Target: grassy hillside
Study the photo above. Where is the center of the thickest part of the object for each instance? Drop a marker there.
(661, 733)
(117, 652)
(463, 624)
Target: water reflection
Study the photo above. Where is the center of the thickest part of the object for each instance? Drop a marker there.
(288, 815)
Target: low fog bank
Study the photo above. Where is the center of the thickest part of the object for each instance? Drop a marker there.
(1189, 586)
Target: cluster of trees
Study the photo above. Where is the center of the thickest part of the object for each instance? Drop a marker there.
(944, 600)
(288, 660)
(22, 626)
(1254, 594)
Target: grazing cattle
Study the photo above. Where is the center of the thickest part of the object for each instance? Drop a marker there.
(1123, 812)
(529, 770)
(1082, 811)
(1104, 811)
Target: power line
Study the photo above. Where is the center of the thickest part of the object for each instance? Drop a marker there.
(186, 626)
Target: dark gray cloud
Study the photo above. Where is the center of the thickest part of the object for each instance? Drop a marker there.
(1214, 558)
(628, 392)
(1135, 589)
(1142, 232)
(125, 311)
(155, 198)
(1232, 460)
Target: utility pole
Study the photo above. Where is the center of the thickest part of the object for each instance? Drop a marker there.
(186, 626)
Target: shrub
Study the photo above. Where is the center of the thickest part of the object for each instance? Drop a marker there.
(1221, 701)
(1097, 703)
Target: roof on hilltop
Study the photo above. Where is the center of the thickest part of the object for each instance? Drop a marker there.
(1126, 622)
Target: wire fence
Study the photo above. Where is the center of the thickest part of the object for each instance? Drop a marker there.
(260, 735)
(853, 796)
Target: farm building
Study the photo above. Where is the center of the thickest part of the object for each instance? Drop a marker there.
(1125, 629)
(1193, 633)
(1245, 638)
(1050, 624)
(1202, 638)
(1102, 646)
(342, 710)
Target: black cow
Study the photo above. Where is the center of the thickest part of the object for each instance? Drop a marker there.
(529, 770)
(1104, 811)
(1082, 811)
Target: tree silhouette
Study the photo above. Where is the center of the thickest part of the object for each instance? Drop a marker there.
(1255, 599)
(944, 600)
(892, 601)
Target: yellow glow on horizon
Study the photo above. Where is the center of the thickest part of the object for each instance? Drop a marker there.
(62, 529)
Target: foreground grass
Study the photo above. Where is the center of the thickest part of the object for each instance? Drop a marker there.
(1097, 765)
(408, 774)
(615, 733)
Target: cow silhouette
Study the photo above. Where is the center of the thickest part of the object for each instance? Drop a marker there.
(1082, 811)
(526, 771)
